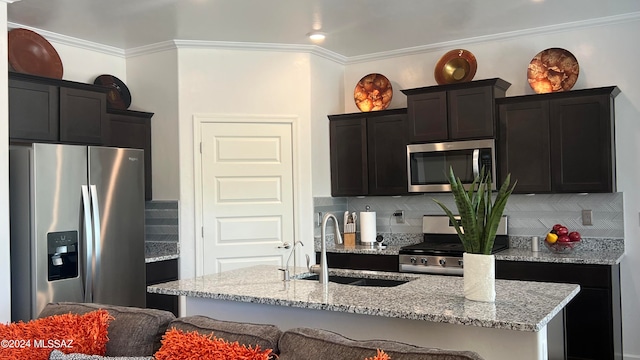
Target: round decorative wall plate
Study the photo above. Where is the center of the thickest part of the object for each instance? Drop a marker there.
(373, 92)
(118, 96)
(553, 70)
(455, 66)
(30, 53)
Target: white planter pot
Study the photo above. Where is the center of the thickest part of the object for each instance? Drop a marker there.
(479, 277)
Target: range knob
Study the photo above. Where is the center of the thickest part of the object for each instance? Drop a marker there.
(460, 263)
(423, 261)
(413, 260)
(442, 262)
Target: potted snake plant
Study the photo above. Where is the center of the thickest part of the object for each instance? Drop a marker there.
(479, 218)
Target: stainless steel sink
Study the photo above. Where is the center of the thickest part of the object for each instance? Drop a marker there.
(348, 280)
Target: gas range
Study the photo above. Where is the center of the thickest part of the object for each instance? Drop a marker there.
(441, 250)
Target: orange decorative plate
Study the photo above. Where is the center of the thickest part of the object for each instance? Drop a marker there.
(30, 53)
(455, 66)
(553, 70)
(373, 92)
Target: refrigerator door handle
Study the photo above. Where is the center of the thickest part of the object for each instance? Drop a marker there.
(96, 230)
(88, 229)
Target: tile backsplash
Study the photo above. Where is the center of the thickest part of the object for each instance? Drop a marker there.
(161, 221)
(528, 214)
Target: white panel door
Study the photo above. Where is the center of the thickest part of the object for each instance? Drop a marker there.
(247, 194)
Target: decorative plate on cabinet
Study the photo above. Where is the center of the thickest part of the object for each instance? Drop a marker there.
(553, 70)
(373, 92)
(30, 53)
(118, 96)
(455, 66)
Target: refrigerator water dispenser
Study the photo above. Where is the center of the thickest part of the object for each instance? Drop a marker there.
(62, 251)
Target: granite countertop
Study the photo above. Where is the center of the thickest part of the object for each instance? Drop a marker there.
(160, 251)
(577, 256)
(519, 305)
(592, 251)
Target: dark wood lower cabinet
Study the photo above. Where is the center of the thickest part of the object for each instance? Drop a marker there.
(593, 317)
(159, 272)
(361, 261)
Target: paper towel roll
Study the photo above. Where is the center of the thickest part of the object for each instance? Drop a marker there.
(479, 277)
(368, 227)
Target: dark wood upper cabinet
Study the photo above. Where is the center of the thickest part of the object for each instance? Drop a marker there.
(33, 111)
(83, 116)
(66, 112)
(348, 152)
(132, 129)
(559, 142)
(368, 153)
(453, 112)
(524, 145)
(387, 154)
(51, 110)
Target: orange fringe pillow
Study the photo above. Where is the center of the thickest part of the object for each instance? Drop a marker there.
(69, 333)
(178, 345)
(380, 356)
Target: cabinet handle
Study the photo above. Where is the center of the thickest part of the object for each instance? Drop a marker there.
(476, 163)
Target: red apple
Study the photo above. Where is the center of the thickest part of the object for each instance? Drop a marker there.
(557, 226)
(562, 231)
(564, 239)
(575, 236)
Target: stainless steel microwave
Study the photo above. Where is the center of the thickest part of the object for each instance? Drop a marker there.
(428, 164)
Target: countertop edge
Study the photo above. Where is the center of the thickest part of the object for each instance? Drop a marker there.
(193, 288)
(152, 259)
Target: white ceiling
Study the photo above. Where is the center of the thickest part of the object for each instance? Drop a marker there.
(353, 27)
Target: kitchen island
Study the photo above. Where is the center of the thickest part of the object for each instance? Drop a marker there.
(427, 310)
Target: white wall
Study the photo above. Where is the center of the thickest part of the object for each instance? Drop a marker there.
(327, 78)
(604, 54)
(215, 81)
(84, 65)
(5, 265)
(153, 81)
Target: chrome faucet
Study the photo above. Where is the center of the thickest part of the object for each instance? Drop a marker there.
(286, 276)
(323, 270)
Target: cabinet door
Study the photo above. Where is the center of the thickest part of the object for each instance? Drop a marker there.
(133, 131)
(593, 321)
(159, 272)
(471, 113)
(427, 117)
(387, 155)
(581, 140)
(83, 116)
(524, 145)
(33, 111)
(361, 261)
(348, 144)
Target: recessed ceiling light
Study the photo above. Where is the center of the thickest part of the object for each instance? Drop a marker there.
(316, 36)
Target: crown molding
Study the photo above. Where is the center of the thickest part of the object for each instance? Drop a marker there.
(71, 41)
(317, 50)
(229, 45)
(448, 45)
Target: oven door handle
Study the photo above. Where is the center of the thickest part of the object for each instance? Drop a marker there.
(476, 163)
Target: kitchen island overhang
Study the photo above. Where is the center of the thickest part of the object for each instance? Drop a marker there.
(427, 310)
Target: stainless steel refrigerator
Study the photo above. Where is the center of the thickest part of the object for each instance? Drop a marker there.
(77, 226)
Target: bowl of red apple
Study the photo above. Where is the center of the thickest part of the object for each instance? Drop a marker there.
(560, 240)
